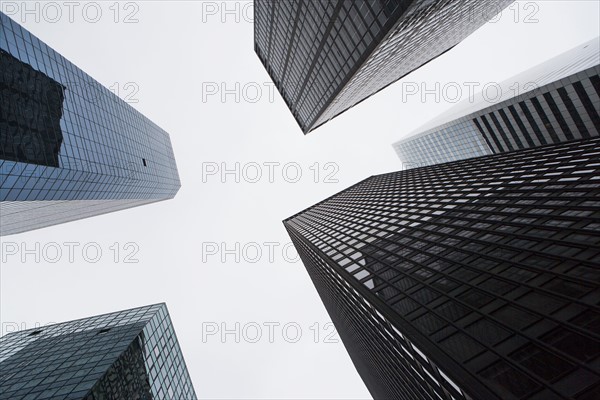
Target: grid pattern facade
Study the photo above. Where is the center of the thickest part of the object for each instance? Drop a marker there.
(326, 56)
(131, 354)
(77, 143)
(456, 141)
(471, 279)
(559, 102)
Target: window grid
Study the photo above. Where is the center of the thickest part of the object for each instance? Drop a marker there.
(491, 261)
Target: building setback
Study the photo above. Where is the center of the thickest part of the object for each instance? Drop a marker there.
(474, 279)
(326, 56)
(69, 147)
(132, 354)
(554, 102)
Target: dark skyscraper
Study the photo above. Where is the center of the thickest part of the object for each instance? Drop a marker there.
(474, 279)
(556, 101)
(69, 147)
(129, 355)
(327, 56)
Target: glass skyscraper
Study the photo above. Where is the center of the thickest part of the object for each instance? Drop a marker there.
(129, 355)
(69, 147)
(326, 56)
(556, 101)
(474, 279)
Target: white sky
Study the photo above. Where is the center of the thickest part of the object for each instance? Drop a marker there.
(171, 54)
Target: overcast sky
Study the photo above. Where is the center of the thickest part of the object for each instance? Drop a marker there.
(176, 56)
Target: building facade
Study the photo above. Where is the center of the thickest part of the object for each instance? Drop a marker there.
(132, 354)
(69, 147)
(554, 102)
(474, 279)
(326, 56)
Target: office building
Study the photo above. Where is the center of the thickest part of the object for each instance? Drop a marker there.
(132, 354)
(326, 56)
(474, 279)
(69, 147)
(556, 101)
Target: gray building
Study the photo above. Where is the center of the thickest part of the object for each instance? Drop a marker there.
(474, 279)
(556, 101)
(131, 354)
(326, 56)
(69, 147)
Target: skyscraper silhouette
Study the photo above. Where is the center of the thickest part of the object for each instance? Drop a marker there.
(474, 279)
(326, 56)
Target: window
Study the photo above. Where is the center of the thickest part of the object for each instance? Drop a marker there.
(497, 286)
(589, 320)
(571, 343)
(461, 346)
(405, 306)
(518, 274)
(566, 288)
(540, 302)
(444, 284)
(429, 323)
(453, 311)
(541, 362)
(514, 317)
(487, 332)
(475, 298)
(424, 295)
(510, 379)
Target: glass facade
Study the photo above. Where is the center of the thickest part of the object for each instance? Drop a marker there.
(326, 56)
(456, 141)
(474, 279)
(69, 147)
(554, 102)
(132, 354)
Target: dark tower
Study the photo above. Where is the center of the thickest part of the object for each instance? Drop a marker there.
(474, 279)
(326, 56)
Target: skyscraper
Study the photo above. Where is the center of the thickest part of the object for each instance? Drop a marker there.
(69, 147)
(474, 279)
(132, 354)
(556, 101)
(326, 56)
